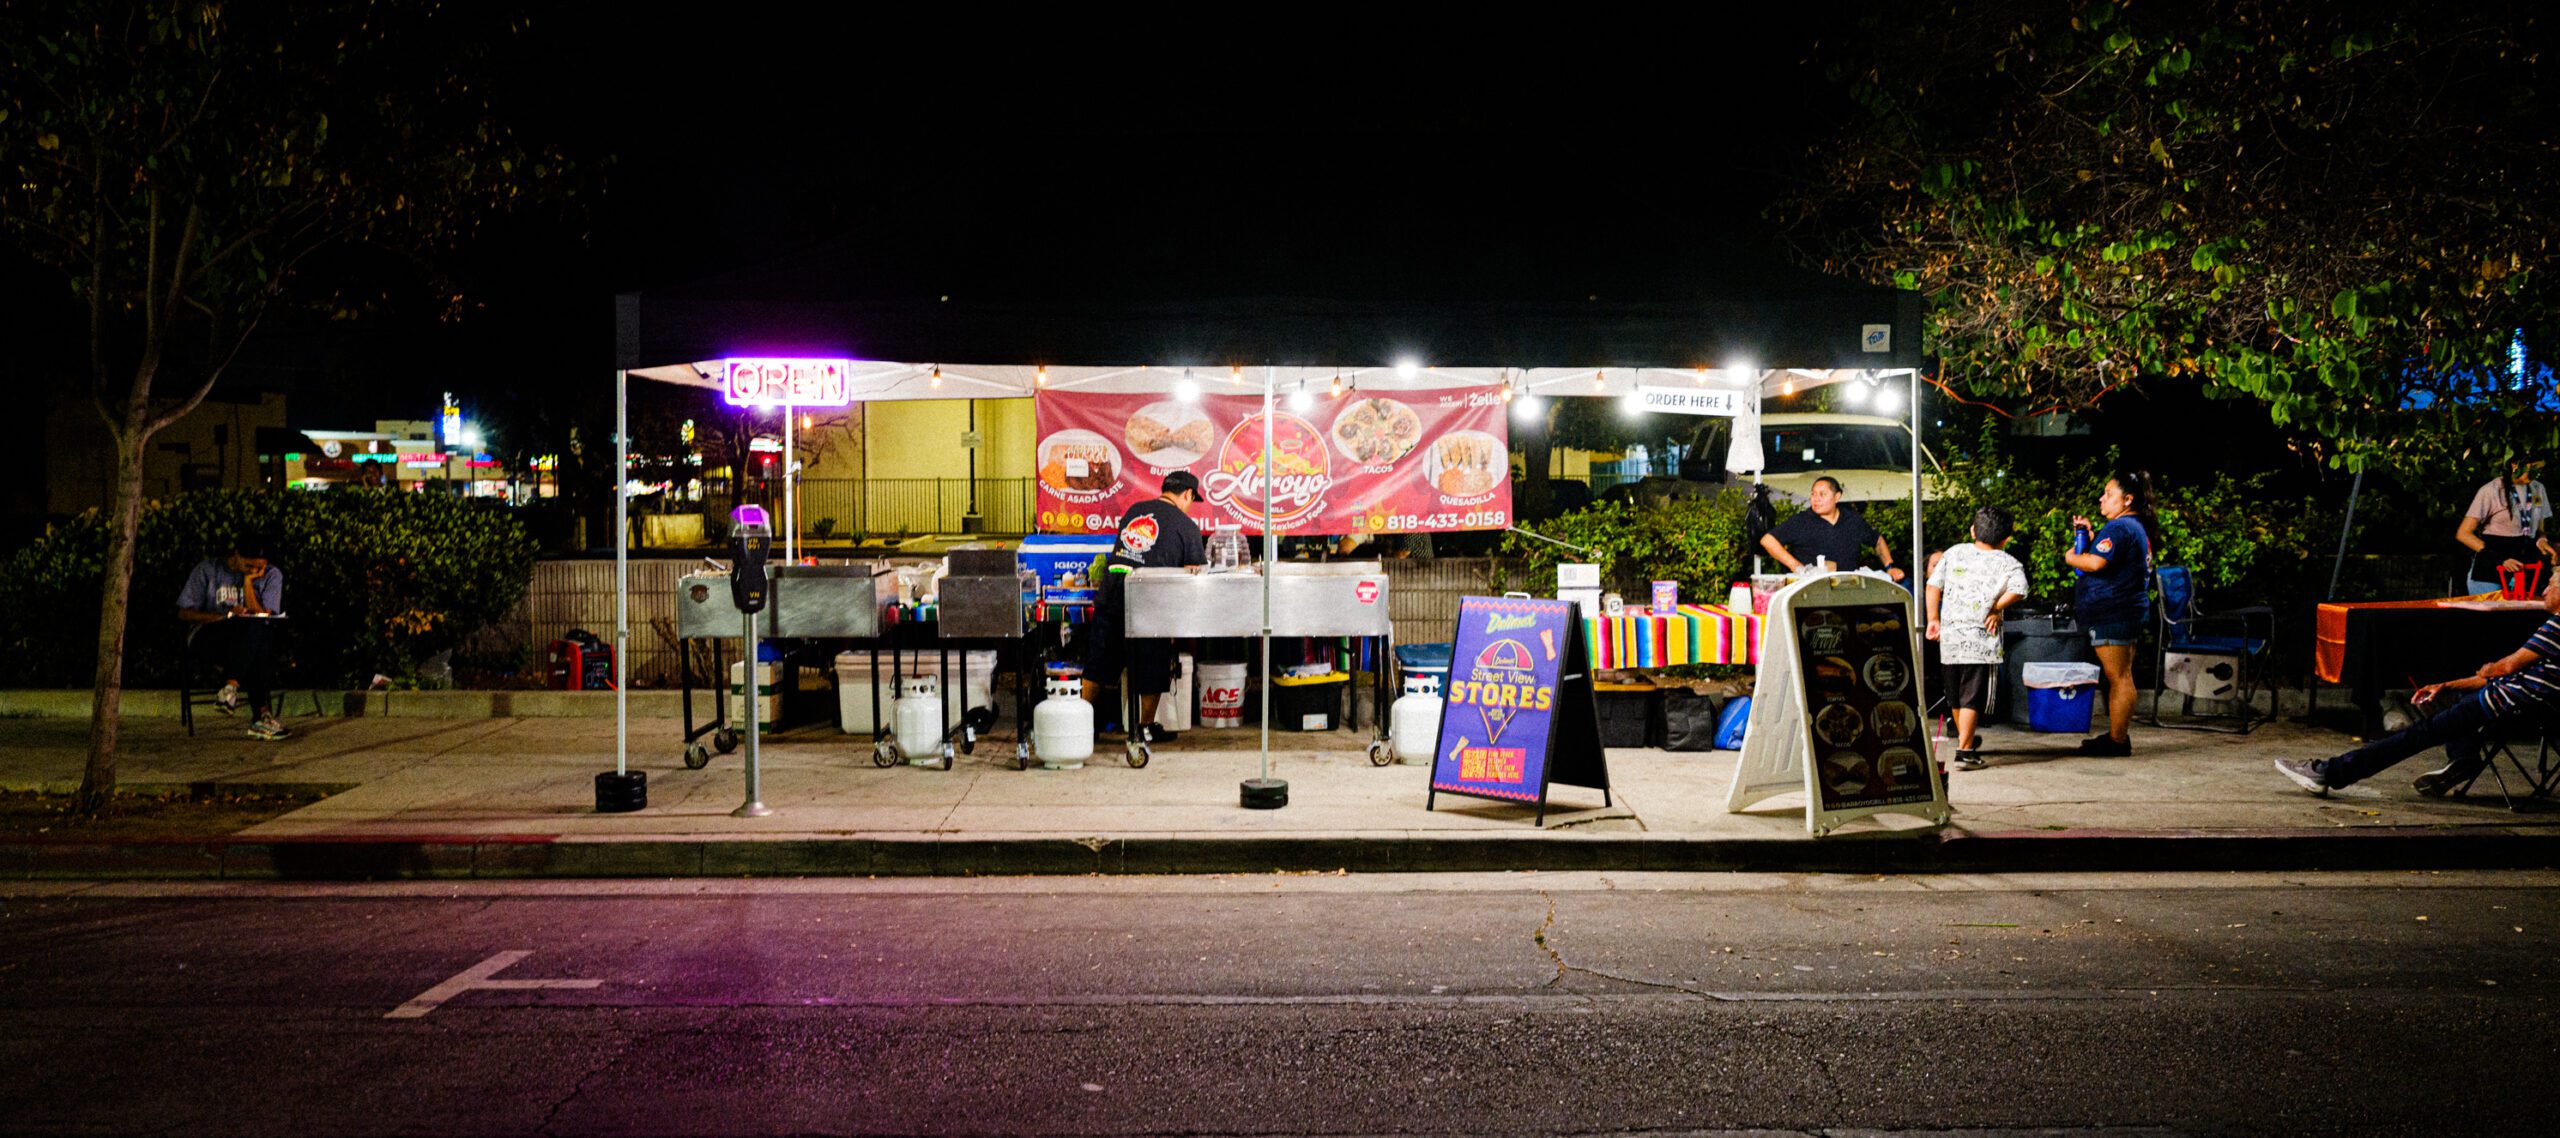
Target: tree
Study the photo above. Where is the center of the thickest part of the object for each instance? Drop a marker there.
(2340, 209)
(192, 167)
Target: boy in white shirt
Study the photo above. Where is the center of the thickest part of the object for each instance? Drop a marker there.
(1968, 587)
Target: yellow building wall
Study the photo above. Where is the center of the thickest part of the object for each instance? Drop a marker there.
(920, 438)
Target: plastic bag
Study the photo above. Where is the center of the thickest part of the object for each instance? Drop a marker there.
(2058, 675)
(1737, 716)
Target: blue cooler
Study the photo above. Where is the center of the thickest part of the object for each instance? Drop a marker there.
(1424, 660)
(2060, 696)
(1054, 555)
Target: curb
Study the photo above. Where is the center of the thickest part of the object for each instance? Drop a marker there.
(542, 856)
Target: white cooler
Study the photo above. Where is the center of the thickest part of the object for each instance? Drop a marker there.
(854, 682)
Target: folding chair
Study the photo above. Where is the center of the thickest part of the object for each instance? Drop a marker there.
(2208, 655)
(200, 679)
(2537, 780)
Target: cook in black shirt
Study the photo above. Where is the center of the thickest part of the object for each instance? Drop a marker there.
(1155, 534)
(1823, 529)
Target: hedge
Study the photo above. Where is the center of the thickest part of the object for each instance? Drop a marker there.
(375, 581)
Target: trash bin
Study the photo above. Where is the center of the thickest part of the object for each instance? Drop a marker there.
(2060, 696)
(2036, 639)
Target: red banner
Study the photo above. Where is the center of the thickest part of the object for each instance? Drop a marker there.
(1399, 462)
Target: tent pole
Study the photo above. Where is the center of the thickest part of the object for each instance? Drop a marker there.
(621, 572)
(2340, 564)
(1270, 564)
(790, 488)
(1916, 577)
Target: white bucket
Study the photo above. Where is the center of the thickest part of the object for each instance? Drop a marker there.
(1222, 695)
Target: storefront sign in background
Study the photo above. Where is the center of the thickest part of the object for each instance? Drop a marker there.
(1498, 710)
(1397, 462)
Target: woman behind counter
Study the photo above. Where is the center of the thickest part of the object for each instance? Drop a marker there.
(2507, 526)
(2113, 596)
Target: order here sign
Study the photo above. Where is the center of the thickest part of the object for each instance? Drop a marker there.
(1690, 400)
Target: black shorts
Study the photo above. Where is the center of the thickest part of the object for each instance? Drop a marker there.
(1150, 661)
(1969, 686)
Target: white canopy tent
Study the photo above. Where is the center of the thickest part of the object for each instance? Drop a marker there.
(880, 381)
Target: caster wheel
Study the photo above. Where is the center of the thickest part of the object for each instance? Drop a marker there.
(1022, 756)
(884, 754)
(696, 756)
(1379, 755)
(968, 741)
(1138, 755)
(725, 739)
(946, 756)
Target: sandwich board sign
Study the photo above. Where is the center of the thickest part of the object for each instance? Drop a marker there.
(1837, 712)
(1518, 714)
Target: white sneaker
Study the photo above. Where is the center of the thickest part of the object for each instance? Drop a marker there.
(228, 699)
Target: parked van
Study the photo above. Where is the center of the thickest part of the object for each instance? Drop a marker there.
(1869, 454)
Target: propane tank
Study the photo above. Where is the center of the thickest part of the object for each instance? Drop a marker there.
(1062, 726)
(918, 720)
(1415, 719)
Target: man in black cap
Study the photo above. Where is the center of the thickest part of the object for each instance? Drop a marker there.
(1156, 534)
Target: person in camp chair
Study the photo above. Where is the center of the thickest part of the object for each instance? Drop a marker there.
(234, 601)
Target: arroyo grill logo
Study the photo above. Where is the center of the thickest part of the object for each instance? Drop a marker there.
(1301, 472)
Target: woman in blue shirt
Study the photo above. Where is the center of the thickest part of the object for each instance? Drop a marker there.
(2113, 596)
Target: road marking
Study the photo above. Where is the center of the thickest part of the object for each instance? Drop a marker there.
(478, 976)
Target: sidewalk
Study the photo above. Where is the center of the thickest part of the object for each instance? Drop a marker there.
(514, 796)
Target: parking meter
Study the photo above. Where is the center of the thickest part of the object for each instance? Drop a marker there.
(751, 586)
(751, 545)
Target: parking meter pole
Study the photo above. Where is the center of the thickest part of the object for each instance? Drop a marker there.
(751, 543)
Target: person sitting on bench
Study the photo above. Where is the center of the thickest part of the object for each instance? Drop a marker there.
(2521, 687)
(233, 602)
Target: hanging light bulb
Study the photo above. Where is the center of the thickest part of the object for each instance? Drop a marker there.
(1789, 387)
(1337, 385)
(807, 420)
(1599, 380)
(1407, 369)
(1888, 400)
(1188, 390)
(937, 377)
(1042, 378)
(1525, 408)
(1856, 394)
(1702, 375)
(1301, 399)
(1506, 393)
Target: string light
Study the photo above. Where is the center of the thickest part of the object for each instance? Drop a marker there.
(1042, 378)
(1599, 380)
(1235, 373)
(1188, 390)
(1337, 385)
(937, 377)
(1702, 375)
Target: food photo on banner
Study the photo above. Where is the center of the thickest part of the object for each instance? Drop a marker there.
(1410, 462)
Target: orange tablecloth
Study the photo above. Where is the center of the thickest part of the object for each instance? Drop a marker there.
(2329, 628)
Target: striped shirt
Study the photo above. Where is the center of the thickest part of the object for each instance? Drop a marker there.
(2535, 688)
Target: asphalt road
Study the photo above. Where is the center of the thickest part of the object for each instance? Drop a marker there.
(1514, 1003)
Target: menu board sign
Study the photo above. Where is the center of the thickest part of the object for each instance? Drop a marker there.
(1858, 691)
(1517, 714)
(1838, 709)
(1401, 462)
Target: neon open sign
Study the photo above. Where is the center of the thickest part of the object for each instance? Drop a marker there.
(780, 382)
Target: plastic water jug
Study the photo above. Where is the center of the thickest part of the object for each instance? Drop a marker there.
(1062, 726)
(1414, 721)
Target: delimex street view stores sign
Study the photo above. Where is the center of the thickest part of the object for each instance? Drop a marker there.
(1410, 462)
(1517, 715)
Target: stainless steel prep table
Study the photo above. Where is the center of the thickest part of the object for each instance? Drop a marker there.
(1308, 599)
(807, 602)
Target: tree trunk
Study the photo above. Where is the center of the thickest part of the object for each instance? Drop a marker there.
(98, 780)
